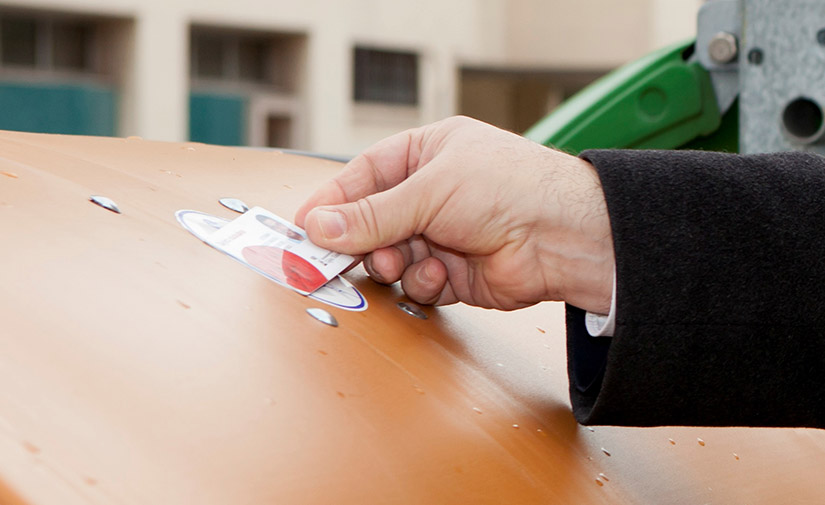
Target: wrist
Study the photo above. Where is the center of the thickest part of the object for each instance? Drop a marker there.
(580, 250)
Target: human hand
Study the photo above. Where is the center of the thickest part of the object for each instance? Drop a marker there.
(462, 211)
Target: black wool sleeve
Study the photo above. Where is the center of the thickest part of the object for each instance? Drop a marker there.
(720, 303)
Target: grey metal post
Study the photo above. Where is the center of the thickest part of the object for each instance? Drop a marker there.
(782, 76)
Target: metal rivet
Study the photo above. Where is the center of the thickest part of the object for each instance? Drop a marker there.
(323, 316)
(412, 309)
(756, 56)
(234, 204)
(722, 48)
(104, 202)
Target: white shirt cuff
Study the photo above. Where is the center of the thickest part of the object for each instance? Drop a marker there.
(601, 325)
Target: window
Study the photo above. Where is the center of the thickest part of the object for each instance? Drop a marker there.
(18, 37)
(208, 56)
(252, 60)
(246, 86)
(46, 43)
(278, 131)
(71, 46)
(385, 77)
(231, 56)
(515, 99)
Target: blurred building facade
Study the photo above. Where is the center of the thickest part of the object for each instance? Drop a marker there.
(323, 75)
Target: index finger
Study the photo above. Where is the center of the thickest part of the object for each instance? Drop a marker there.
(378, 168)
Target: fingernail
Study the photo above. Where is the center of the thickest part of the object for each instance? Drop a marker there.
(332, 223)
(423, 275)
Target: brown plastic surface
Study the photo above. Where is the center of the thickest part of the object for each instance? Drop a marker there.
(139, 365)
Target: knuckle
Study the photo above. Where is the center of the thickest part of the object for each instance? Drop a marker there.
(368, 217)
(369, 170)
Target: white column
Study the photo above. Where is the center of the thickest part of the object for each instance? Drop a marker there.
(155, 102)
(328, 84)
(439, 81)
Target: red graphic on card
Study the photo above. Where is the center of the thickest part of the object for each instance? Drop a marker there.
(284, 266)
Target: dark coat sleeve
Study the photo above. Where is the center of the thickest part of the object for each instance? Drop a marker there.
(720, 303)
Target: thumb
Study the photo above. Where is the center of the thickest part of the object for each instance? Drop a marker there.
(378, 220)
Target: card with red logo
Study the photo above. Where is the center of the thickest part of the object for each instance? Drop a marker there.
(278, 250)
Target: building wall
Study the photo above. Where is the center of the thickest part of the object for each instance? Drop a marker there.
(581, 34)
(551, 49)
(152, 42)
(673, 20)
(587, 34)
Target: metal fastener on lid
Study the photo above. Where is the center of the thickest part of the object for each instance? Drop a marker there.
(104, 202)
(234, 204)
(412, 309)
(323, 316)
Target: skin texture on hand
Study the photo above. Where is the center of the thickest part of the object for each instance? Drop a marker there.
(462, 211)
